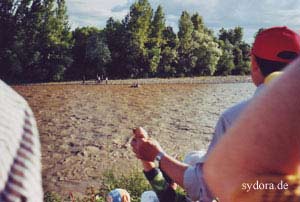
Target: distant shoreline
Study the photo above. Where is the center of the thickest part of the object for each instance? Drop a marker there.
(184, 80)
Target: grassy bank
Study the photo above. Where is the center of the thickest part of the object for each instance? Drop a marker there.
(135, 183)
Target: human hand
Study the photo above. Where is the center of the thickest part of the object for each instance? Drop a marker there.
(142, 133)
(144, 147)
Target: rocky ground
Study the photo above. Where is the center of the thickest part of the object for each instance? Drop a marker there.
(85, 129)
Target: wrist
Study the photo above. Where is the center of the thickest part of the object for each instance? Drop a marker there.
(148, 165)
(160, 155)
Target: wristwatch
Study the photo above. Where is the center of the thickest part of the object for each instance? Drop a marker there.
(159, 156)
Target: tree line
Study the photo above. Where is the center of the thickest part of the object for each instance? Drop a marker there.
(37, 45)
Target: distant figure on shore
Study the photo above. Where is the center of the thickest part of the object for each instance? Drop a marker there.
(135, 85)
(106, 80)
(98, 78)
(83, 80)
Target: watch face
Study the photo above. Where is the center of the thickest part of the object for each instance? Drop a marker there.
(159, 156)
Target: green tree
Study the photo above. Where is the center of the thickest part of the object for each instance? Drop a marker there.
(155, 40)
(185, 59)
(22, 51)
(246, 49)
(169, 55)
(234, 36)
(80, 36)
(169, 38)
(36, 45)
(240, 51)
(238, 35)
(198, 50)
(97, 55)
(90, 52)
(198, 22)
(138, 24)
(117, 38)
(241, 66)
(206, 53)
(56, 52)
(225, 64)
(9, 66)
(157, 27)
(41, 42)
(139, 21)
(29, 44)
(206, 49)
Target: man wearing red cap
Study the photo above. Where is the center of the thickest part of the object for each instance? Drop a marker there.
(272, 50)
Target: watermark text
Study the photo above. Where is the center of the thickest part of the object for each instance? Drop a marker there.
(264, 186)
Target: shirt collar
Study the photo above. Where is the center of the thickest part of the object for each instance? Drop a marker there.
(259, 89)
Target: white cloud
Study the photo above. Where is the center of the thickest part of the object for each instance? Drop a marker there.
(93, 12)
(249, 14)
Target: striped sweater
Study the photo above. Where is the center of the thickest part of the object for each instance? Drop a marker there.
(20, 156)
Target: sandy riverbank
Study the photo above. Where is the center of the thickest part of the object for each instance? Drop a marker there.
(85, 129)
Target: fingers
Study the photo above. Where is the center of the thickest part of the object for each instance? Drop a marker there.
(133, 142)
(140, 132)
(144, 147)
(136, 144)
(136, 152)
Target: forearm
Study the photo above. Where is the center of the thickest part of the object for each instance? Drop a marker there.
(173, 168)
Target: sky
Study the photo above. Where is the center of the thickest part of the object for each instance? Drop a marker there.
(249, 14)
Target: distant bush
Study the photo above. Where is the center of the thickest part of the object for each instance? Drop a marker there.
(52, 197)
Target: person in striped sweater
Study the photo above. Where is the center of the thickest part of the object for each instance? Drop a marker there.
(20, 159)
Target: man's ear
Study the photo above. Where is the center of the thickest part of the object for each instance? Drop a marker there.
(256, 74)
(254, 65)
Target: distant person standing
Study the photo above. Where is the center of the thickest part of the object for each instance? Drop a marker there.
(98, 79)
(83, 79)
(20, 156)
(106, 80)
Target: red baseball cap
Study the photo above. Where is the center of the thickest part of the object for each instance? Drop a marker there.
(279, 44)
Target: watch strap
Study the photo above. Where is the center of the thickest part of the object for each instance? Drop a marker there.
(159, 156)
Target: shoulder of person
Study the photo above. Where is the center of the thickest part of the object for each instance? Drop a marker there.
(233, 112)
(9, 95)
